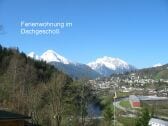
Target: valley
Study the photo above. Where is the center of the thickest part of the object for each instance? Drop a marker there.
(79, 93)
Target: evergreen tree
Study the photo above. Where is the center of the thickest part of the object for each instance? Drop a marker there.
(108, 115)
(144, 118)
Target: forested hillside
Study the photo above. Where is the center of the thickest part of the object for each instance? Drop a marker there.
(37, 89)
(160, 72)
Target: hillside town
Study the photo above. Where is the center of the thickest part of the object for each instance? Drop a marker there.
(132, 83)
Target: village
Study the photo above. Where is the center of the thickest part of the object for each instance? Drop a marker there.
(134, 92)
(132, 84)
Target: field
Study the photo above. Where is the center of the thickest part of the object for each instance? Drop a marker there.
(125, 104)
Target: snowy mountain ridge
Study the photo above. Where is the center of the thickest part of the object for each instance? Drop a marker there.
(52, 56)
(109, 62)
(49, 56)
(75, 70)
(108, 65)
(104, 66)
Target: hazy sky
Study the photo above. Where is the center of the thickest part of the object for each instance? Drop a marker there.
(133, 30)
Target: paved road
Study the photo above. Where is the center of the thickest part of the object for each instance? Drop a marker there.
(117, 105)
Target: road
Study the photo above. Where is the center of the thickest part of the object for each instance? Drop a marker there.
(130, 112)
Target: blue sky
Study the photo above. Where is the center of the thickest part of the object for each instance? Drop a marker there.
(133, 30)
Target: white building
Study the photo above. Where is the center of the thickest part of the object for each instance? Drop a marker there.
(157, 122)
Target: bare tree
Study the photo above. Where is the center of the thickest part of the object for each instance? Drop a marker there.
(84, 100)
(56, 97)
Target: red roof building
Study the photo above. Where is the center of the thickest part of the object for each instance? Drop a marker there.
(134, 101)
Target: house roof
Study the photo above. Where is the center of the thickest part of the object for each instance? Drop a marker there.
(146, 98)
(4, 115)
(158, 121)
(151, 98)
(134, 98)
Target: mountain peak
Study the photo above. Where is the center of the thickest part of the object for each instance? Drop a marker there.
(109, 62)
(108, 65)
(157, 65)
(52, 56)
(33, 55)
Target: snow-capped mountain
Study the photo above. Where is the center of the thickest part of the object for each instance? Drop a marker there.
(52, 56)
(104, 66)
(33, 55)
(75, 70)
(157, 65)
(108, 65)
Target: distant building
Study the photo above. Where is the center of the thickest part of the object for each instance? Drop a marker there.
(134, 101)
(151, 98)
(13, 119)
(157, 122)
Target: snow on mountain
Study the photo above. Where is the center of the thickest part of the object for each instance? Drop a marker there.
(75, 70)
(108, 65)
(157, 65)
(104, 66)
(33, 56)
(109, 62)
(52, 56)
